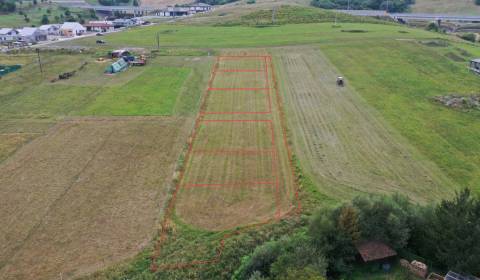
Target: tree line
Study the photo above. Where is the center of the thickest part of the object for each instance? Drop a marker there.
(444, 235)
(386, 5)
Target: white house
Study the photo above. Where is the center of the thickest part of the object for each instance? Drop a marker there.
(31, 35)
(123, 22)
(8, 35)
(51, 29)
(71, 29)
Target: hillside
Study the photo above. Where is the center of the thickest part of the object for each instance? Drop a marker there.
(466, 7)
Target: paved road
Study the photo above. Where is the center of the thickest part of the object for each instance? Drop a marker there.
(413, 16)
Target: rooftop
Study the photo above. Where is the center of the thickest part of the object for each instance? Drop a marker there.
(374, 250)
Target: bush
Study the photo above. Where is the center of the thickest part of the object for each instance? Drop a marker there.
(469, 37)
(251, 1)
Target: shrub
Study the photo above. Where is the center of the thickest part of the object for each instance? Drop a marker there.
(469, 37)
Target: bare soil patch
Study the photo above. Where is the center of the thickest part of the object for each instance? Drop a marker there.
(85, 195)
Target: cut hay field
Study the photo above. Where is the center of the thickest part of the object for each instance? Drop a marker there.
(345, 143)
(399, 79)
(86, 195)
(78, 194)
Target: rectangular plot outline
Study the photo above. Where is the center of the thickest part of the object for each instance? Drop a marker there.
(266, 90)
(170, 207)
(240, 152)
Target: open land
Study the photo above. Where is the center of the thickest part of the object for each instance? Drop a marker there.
(271, 87)
(465, 7)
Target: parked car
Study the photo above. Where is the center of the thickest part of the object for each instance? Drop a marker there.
(101, 42)
(99, 34)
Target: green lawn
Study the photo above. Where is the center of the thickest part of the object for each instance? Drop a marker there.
(399, 78)
(241, 36)
(154, 92)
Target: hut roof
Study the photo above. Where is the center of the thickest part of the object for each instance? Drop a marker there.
(374, 250)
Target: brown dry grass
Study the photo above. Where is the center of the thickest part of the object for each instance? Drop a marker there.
(342, 141)
(257, 174)
(86, 195)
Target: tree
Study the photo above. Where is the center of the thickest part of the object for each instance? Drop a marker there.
(448, 233)
(68, 13)
(45, 19)
(135, 3)
(35, 2)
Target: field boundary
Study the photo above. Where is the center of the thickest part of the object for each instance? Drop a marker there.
(164, 231)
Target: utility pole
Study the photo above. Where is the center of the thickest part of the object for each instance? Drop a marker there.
(39, 60)
(348, 5)
(158, 40)
(274, 11)
(387, 5)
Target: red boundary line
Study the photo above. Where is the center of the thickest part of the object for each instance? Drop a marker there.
(236, 89)
(154, 267)
(240, 70)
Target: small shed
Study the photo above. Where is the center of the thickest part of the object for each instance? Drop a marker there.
(117, 66)
(374, 251)
(475, 65)
(120, 53)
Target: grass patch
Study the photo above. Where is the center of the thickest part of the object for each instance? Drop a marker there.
(399, 78)
(190, 36)
(154, 92)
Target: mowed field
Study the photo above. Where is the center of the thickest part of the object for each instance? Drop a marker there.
(86, 163)
(344, 142)
(237, 170)
(86, 195)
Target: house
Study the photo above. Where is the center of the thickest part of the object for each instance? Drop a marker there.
(123, 22)
(31, 35)
(374, 251)
(71, 29)
(8, 35)
(99, 26)
(184, 10)
(51, 29)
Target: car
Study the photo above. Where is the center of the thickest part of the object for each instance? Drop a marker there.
(101, 42)
(99, 34)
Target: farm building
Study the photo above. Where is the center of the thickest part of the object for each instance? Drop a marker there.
(99, 26)
(375, 251)
(123, 22)
(8, 35)
(120, 53)
(71, 29)
(117, 66)
(184, 10)
(31, 35)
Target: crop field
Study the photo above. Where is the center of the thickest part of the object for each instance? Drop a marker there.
(85, 195)
(343, 142)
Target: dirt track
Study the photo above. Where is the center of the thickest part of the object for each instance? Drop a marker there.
(86, 195)
(342, 141)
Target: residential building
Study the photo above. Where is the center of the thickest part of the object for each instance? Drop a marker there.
(51, 29)
(8, 35)
(99, 26)
(31, 35)
(123, 22)
(71, 29)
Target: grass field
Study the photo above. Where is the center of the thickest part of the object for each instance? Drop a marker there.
(86, 195)
(399, 78)
(243, 36)
(345, 143)
(466, 7)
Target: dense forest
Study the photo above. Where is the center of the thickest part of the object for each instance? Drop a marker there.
(7, 6)
(387, 5)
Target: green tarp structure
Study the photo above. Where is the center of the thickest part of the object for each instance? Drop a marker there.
(117, 66)
(5, 69)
